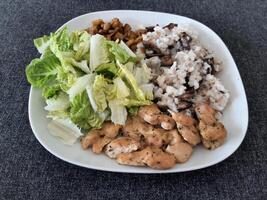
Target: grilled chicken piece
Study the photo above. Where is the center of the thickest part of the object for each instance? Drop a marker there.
(182, 151)
(213, 135)
(178, 147)
(212, 131)
(150, 156)
(160, 159)
(121, 145)
(90, 138)
(205, 113)
(187, 128)
(153, 116)
(100, 144)
(110, 130)
(156, 137)
(98, 138)
(134, 126)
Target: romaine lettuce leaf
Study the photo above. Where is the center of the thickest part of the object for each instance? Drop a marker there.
(61, 39)
(82, 113)
(58, 114)
(109, 70)
(80, 41)
(148, 90)
(99, 53)
(51, 91)
(142, 74)
(122, 91)
(80, 85)
(120, 54)
(118, 112)
(129, 77)
(99, 88)
(42, 72)
(60, 102)
(127, 49)
(65, 130)
(42, 43)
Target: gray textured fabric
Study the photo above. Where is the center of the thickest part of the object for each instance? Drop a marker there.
(28, 171)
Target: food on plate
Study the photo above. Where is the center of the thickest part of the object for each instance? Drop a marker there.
(212, 131)
(153, 115)
(150, 156)
(187, 127)
(121, 145)
(144, 97)
(116, 30)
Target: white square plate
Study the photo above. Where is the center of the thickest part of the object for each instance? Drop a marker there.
(235, 116)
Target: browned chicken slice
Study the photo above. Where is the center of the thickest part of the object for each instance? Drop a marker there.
(205, 113)
(137, 158)
(174, 137)
(178, 147)
(153, 115)
(110, 130)
(187, 127)
(182, 151)
(160, 159)
(134, 126)
(212, 144)
(150, 156)
(100, 144)
(90, 138)
(212, 131)
(213, 135)
(98, 138)
(121, 145)
(156, 137)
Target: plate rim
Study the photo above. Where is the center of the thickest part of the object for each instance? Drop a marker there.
(153, 171)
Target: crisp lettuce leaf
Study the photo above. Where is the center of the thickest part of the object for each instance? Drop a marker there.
(62, 46)
(51, 91)
(118, 112)
(130, 67)
(127, 49)
(80, 85)
(42, 72)
(122, 91)
(148, 90)
(135, 102)
(81, 65)
(109, 70)
(111, 91)
(66, 78)
(58, 114)
(42, 43)
(80, 41)
(142, 74)
(89, 90)
(65, 130)
(82, 113)
(60, 102)
(129, 77)
(120, 53)
(61, 39)
(99, 53)
(99, 88)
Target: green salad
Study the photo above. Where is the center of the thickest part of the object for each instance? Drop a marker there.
(86, 80)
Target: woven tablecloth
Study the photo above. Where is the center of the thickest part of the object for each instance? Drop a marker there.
(28, 171)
